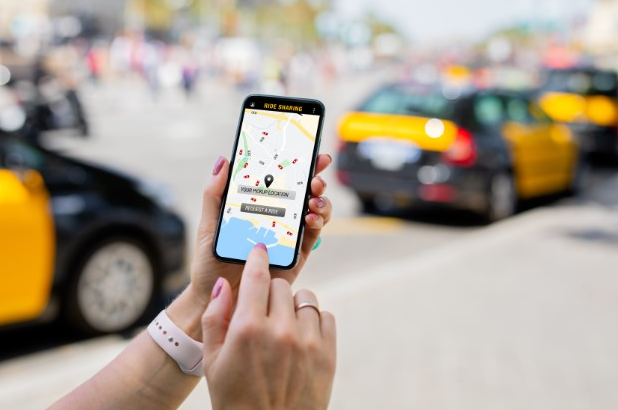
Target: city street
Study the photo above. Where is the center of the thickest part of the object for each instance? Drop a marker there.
(418, 304)
(176, 142)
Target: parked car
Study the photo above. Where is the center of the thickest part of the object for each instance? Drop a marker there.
(482, 150)
(92, 245)
(586, 99)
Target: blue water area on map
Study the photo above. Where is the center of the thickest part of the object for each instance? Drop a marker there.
(235, 242)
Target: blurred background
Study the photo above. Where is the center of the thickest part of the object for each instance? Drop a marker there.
(471, 260)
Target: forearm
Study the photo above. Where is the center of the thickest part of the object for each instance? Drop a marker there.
(143, 375)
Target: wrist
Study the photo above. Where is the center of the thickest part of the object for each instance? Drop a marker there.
(186, 312)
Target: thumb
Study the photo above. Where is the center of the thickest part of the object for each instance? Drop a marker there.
(215, 321)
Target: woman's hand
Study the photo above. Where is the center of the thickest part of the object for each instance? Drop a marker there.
(206, 268)
(267, 355)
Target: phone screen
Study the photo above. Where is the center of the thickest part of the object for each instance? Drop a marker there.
(270, 172)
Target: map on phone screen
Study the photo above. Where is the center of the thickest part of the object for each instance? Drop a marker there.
(268, 184)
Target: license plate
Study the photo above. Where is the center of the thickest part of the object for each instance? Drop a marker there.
(389, 154)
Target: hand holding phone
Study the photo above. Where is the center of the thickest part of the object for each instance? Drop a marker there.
(268, 187)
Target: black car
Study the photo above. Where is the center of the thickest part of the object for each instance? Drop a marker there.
(119, 247)
(481, 150)
(585, 98)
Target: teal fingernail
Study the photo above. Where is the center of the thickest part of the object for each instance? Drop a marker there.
(317, 243)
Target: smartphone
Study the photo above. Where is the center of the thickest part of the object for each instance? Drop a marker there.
(268, 187)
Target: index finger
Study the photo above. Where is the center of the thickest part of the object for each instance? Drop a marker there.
(254, 283)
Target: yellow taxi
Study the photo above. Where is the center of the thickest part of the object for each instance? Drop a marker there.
(86, 244)
(483, 150)
(587, 100)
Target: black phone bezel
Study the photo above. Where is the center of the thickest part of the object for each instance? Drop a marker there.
(313, 107)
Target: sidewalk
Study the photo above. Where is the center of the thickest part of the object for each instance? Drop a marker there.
(520, 315)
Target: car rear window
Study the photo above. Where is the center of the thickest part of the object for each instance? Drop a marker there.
(493, 110)
(409, 102)
(489, 110)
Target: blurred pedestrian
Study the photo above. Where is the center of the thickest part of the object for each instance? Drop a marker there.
(189, 76)
(150, 63)
(94, 62)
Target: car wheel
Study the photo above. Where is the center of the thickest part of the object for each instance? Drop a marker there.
(113, 287)
(367, 204)
(501, 197)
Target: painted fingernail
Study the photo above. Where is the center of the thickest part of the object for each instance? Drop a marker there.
(216, 290)
(218, 166)
(320, 202)
(261, 246)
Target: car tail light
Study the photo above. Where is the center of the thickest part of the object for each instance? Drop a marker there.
(463, 151)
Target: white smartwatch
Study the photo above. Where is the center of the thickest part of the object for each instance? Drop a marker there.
(186, 352)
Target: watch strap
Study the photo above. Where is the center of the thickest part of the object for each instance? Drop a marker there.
(185, 351)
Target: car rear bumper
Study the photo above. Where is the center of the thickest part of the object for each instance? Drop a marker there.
(458, 188)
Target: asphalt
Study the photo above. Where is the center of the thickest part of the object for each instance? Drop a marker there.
(519, 315)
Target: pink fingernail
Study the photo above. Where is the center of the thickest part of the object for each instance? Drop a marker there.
(320, 202)
(313, 216)
(218, 166)
(323, 182)
(216, 290)
(261, 246)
